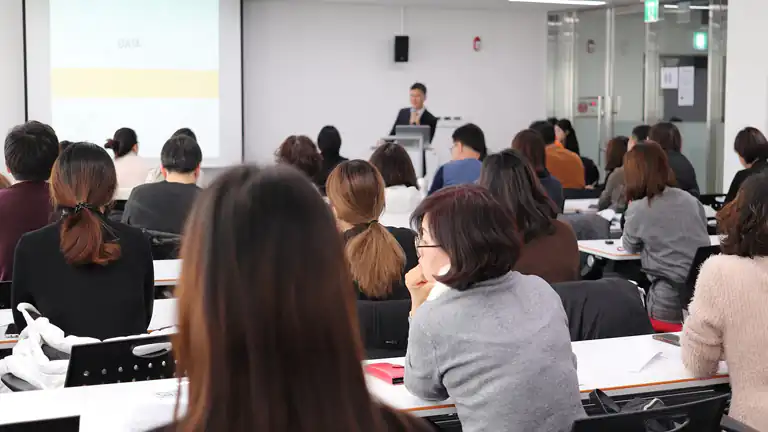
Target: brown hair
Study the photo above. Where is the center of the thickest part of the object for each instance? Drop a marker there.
(646, 171)
(395, 165)
(268, 332)
(530, 143)
(300, 152)
(4, 182)
(744, 221)
(475, 230)
(614, 153)
(356, 191)
(667, 135)
(83, 182)
(751, 145)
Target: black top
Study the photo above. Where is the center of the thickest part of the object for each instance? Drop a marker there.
(329, 163)
(162, 206)
(407, 240)
(553, 187)
(684, 172)
(91, 300)
(591, 173)
(742, 176)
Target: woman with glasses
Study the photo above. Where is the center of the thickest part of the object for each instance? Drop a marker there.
(493, 339)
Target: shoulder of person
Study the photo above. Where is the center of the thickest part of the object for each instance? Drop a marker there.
(564, 229)
(721, 271)
(401, 233)
(43, 234)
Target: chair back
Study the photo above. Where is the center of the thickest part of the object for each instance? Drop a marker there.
(164, 245)
(699, 416)
(5, 295)
(686, 292)
(384, 327)
(64, 424)
(581, 193)
(124, 360)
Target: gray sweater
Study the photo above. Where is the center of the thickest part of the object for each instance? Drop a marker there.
(501, 351)
(667, 232)
(613, 195)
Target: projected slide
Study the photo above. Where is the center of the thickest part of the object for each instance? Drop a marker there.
(152, 65)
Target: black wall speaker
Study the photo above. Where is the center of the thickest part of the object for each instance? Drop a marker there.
(401, 49)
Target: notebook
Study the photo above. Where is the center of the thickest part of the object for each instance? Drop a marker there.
(388, 372)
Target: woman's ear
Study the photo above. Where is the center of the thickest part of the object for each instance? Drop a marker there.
(135, 148)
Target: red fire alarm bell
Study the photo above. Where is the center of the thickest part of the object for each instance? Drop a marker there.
(477, 44)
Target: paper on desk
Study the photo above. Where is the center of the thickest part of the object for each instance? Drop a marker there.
(607, 214)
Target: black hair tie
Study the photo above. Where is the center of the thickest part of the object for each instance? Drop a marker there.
(366, 225)
(79, 207)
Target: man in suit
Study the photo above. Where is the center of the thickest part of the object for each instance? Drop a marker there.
(417, 114)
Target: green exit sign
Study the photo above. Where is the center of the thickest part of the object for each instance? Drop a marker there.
(700, 41)
(651, 11)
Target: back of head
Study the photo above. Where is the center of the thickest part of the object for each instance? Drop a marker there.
(511, 180)
(301, 153)
(474, 230)
(186, 132)
(615, 151)
(263, 283)
(646, 171)
(640, 133)
(394, 165)
(473, 137)
(751, 145)
(82, 185)
(181, 154)
(329, 141)
(530, 143)
(744, 222)
(546, 129)
(30, 151)
(123, 142)
(667, 135)
(355, 190)
(571, 140)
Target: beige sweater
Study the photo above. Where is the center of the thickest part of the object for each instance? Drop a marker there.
(728, 320)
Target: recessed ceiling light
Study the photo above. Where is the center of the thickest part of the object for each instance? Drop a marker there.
(564, 2)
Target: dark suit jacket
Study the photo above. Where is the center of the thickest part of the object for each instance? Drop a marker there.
(404, 119)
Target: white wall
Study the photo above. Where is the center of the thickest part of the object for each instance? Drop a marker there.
(11, 70)
(746, 78)
(313, 63)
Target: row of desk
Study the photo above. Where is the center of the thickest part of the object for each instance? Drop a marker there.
(621, 366)
(614, 250)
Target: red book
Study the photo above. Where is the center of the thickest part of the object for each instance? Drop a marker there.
(390, 373)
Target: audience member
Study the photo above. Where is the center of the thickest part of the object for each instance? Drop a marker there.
(495, 341)
(132, 169)
(532, 146)
(186, 132)
(727, 320)
(639, 134)
(156, 174)
(566, 135)
(466, 155)
(4, 182)
(550, 249)
(612, 195)
(301, 153)
(378, 256)
(402, 194)
(329, 143)
(563, 164)
(164, 206)
(668, 136)
(267, 321)
(664, 224)
(88, 275)
(64, 144)
(30, 151)
(752, 148)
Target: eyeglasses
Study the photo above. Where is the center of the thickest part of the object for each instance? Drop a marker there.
(420, 246)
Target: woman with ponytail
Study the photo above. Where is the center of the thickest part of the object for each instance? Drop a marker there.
(378, 256)
(132, 170)
(88, 275)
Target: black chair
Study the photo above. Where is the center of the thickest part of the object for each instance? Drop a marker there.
(703, 415)
(384, 327)
(716, 201)
(136, 359)
(581, 193)
(602, 309)
(115, 212)
(5, 295)
(686, 294)
(64, 424)
(165, 245)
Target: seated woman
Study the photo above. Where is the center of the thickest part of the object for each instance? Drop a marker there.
(329, 143)
(613, 192)
(530, 143)
(301, 153)
(266, 311)
(402, 194)
(665, 225)
(480, 330)
(752, 148)
(132, 169)
(550, 249)
(669, 138)
(378, 256)
(90, 276)
(727, 319)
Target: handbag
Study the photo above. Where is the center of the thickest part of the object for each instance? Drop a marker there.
(608, 406)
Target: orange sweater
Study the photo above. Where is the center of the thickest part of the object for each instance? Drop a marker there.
(566, 166)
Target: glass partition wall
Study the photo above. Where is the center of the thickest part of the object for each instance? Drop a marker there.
(610, 71)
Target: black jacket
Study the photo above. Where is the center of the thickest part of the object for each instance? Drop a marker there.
(742, 176)
(404, 119)
(684, 172)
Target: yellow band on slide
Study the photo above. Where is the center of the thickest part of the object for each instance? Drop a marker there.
(134, 83)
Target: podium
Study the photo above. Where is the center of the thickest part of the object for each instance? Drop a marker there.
(415, 139)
